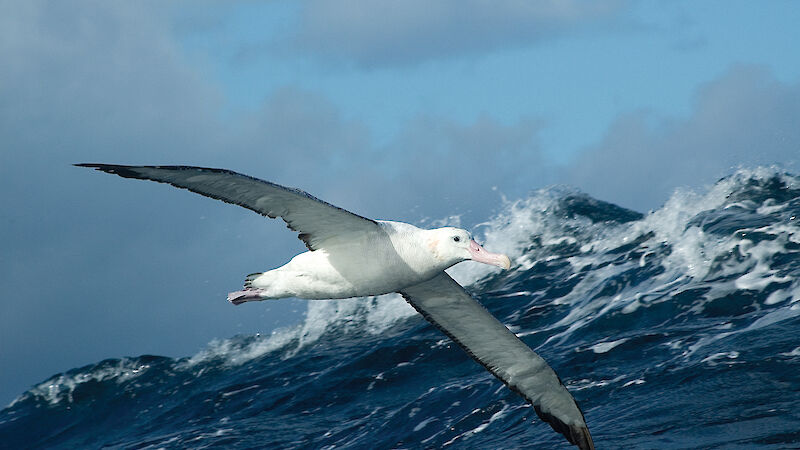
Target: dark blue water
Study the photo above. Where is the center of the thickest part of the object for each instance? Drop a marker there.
(675, 329)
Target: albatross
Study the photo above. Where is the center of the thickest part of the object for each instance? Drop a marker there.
(352, 256)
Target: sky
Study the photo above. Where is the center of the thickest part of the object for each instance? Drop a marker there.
(412, 111)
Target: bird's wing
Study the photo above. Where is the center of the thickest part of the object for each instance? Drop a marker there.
(446, 305)
(315, 220)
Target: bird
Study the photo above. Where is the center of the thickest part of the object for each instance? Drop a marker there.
(353, 256)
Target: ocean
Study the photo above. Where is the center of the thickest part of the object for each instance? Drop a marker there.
(674, 329)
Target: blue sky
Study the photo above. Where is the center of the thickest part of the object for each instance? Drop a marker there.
(397, 110)
(649, 55)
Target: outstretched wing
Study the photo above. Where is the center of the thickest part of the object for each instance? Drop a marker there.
(315, 220)
(445, 304)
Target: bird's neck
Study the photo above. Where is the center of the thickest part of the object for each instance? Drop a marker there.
(418, 247)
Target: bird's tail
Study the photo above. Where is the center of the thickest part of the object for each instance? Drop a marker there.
(248, 282)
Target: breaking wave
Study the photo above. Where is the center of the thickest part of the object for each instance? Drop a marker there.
(676, 328)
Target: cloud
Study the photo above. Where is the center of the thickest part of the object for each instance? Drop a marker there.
(452, 168)
(297, 133)
(746, 117)
(388, 32)
(99, 81)
(433, 167)
(111, 67)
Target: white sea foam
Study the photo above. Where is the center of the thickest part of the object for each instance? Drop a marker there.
(424, 423)
(604, 347)
(587, 383)
(635, 382)
(696, 259)
(61, 388)
(375, 314)
(795, 352)
(485, 424)
(716, 357)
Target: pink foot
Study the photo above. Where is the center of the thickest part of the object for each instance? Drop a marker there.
(248, 295)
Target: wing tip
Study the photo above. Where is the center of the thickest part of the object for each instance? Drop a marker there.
(89, 165)
(131, 171)
(581, 437)
(97, 166)
(123, 171)
(576, 434)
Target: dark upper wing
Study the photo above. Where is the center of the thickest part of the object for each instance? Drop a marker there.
(315, 220)
(451, 309)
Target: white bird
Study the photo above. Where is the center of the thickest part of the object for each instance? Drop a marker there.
(352, 256)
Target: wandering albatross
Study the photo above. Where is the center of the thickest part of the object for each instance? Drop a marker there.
(352, 256)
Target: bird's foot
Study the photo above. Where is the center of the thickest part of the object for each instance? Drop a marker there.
(248, 295)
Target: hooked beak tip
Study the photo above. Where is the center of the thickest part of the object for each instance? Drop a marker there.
(504, 262)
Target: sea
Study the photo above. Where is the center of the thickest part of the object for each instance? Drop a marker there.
(678, 328)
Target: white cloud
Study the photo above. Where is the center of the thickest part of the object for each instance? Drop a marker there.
(111, 67)
(746, 117)
(390, 32)
(449, 168)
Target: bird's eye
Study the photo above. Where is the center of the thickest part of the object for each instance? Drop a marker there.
(456, 239)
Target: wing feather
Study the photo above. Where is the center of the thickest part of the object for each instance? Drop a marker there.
(316, 221)
(445, 304)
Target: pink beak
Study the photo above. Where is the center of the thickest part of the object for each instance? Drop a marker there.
(495, 259)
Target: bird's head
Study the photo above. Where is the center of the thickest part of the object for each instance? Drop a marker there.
(453, 245)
